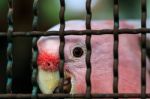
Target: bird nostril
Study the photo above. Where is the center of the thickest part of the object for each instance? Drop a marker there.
(48, 64)
(66, 86)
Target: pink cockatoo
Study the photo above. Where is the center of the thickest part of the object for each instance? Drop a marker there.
(101, 60)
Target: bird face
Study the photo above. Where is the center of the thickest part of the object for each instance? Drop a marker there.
(48, 61)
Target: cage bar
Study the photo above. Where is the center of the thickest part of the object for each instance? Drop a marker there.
(88, 47)
(9, 47)
(62, 44)
(35, 51)
(115, 48)
(77, 32)
(143, 49)
(62, 95)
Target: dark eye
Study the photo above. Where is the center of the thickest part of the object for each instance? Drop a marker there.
(78, 52)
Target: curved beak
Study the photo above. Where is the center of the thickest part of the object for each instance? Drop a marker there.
(49, 82)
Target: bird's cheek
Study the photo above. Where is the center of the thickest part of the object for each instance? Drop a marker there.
(77, 86)
(78, 82)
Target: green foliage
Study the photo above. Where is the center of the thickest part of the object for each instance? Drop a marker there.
(50, 11)
(2, 4)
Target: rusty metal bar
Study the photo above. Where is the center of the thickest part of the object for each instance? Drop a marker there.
(115, 49)
(62, 44)
(9, 47)
(45, 96)
(143, 49)
(88, 47)
(35, 51)
(77, 32)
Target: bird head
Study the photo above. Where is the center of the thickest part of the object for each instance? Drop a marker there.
(101, 60)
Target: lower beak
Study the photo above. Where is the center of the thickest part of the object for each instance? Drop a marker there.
(66, 86)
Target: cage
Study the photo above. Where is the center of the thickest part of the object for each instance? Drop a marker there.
(36, 33)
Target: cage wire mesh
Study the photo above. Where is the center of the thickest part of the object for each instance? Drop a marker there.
(61, 33)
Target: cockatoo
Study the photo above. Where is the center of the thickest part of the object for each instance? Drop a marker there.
(101, 60)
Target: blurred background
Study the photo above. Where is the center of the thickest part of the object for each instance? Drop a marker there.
(48, 17)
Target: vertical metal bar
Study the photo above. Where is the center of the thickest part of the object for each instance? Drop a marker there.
(88, 47)
(35, 50)
(62, 44)
(115, 49)
(143, 49)
(9, 47)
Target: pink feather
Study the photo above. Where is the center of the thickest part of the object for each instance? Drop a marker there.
(101, 59)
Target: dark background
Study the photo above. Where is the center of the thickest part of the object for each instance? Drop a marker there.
(48, 10)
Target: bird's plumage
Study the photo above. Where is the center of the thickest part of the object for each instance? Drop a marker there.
(101, 59)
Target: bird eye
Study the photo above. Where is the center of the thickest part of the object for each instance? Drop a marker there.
(78, 52)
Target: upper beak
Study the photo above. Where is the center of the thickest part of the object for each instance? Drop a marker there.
(49, 82)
